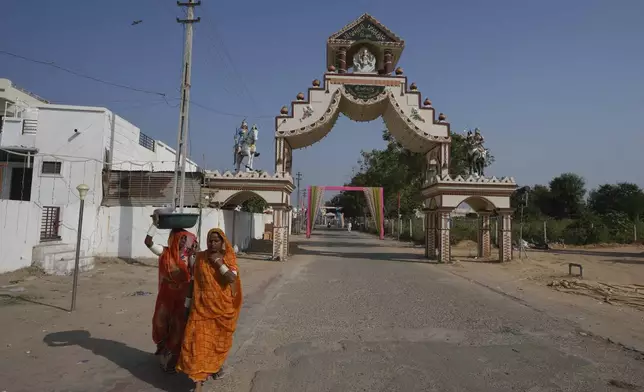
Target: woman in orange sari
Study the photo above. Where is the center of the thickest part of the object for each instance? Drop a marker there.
(214, 306)
(169, 318)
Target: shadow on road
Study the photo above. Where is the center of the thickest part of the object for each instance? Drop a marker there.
(139, 363)
(403, 257)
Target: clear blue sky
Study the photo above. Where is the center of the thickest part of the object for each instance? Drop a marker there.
(555, 86)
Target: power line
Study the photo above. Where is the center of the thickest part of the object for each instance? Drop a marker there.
(82, 75)
(228, 114)
(218, 38)
(162, 94)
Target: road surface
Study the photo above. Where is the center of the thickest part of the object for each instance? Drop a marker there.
(356, 315)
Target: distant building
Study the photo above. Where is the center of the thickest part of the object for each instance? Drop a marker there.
(463, 210)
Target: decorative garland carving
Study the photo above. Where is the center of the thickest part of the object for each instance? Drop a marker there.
(447, 179)
(248, 175)
(363, 92)
(323, 120)
(346, 94)
(410, 124)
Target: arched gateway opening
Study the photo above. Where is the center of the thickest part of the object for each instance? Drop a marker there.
(363, 83)
(373, 195)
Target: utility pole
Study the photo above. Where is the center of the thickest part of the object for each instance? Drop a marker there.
(303, 222)
(298, 177)
(182, 138)
(202, 183)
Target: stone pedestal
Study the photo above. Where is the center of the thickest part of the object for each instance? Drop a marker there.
(484, 240)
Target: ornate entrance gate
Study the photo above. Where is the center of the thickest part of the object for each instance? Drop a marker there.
(363, 83)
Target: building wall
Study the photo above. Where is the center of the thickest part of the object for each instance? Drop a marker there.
(78, 152)
(166, 156)
(19, 233)
(109, 231)
(78, 138)
(122, 230)
(129, 155)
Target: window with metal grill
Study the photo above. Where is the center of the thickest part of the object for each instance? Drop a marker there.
(50, 167)
(146, 141)
(49, 224)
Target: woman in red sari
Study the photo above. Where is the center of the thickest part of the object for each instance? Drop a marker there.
(169, 320)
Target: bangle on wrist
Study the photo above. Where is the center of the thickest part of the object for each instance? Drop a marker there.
(223, 269)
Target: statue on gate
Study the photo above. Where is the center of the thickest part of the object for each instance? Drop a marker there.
(364, 61)
(477, 154)
(245, 141)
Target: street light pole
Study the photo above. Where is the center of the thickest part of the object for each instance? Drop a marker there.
(82, 192)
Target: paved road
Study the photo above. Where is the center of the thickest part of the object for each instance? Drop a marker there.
(355, 315)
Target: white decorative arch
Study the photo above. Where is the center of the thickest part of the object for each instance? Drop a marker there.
(240, 197)
(363, 93)
(363, 98)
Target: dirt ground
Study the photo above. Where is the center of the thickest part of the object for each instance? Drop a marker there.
(594, 302)
(618, 265)
(115, 302)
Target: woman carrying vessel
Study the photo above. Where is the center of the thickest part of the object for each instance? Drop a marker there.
(169, 320)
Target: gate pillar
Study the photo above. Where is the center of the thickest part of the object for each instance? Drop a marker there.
(430, 235)
(505, 235)
(280, 233)
(444, 244)
(484, 240)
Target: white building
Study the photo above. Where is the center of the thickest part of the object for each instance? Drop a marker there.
(46, 150)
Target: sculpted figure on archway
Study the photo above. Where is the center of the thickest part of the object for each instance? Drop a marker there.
(477, 153)
(245, 141)
(364, 61)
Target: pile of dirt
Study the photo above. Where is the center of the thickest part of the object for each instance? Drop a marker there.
(18, 276)
(466, 244)
(630, 295)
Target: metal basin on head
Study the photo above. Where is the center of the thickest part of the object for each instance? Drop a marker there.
(176, 220)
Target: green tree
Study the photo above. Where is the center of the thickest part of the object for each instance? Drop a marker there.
(254, 204)
(539, 202)
(398, 171)
(626, 198)
(567, 191)
(352, 203)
